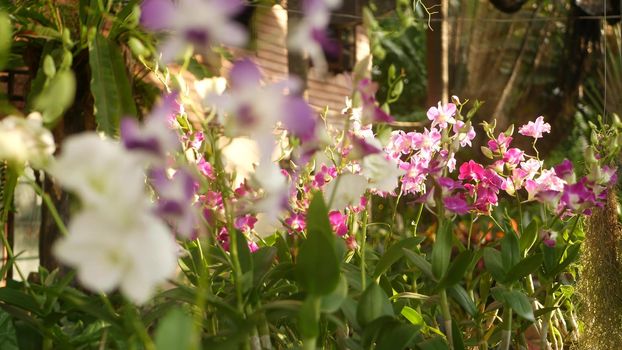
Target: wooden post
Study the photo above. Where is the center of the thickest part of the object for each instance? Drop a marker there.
(434, 52)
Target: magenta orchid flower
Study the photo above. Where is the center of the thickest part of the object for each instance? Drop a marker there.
(457, 204)
(500, 144)
(339, 222)
(577, 196)
(371, 113)
(513, 156)
(296, 222)
(471, 170)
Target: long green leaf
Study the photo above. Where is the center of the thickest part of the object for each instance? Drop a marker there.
(456, 270)
(109, 84)
(494, 265)
(524, 267)
(5, 39)
(421, 263)
(441, 251)
(394, 253)
(318, 266)
(373, 304)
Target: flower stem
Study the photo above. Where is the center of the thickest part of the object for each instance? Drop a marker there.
(363, 244)
(417, 219)
(470, 232)
(506, 334)
(50, 205)
(447, 319)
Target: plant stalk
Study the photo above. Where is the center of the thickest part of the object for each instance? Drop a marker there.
(447, 319)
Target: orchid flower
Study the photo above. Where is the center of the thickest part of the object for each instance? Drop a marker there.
(310, 35)
(198, 23)
(536, 129)
(25, 141)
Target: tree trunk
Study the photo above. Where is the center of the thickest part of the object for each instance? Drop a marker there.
(600, 281)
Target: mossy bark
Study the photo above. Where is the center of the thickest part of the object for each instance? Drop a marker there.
(600, 281)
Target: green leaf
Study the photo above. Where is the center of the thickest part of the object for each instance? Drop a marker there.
(420, 262)
(492, 260)
(524, 267)
(515, 300)
(529, 236)
(510, 251)
(571, 255)
(460, 295)
(436, 343)
(309, 318)
(317, 216)
(456, 270)
(374, 303)
(332, 302)
(282, 247)
(456, 335)
(318, 266)
(413, 316)
(397, 337)
(109, 84)
(244, 253)
(8, 338)
(262, 260)
(394, 253)
(56, 96)
(246, 261)
(174, 331)
(441, 251)
(6, 38)
(20, 299)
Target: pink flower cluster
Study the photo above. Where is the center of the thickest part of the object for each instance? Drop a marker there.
(428, 157)
(423, 154)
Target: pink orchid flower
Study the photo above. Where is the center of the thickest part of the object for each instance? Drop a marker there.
(536, 129)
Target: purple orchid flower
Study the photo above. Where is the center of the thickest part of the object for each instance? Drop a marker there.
(175, 200)
(194, 22)
(154, 138)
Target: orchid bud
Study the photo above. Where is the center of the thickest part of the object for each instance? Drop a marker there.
(589, 156)
(510, 130)
(137, 47)
(487, 152)
(593, 137)
(466, 127)
(616, 121)
(455, 99)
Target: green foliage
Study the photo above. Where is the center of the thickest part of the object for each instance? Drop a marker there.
(5, 39)
(318, 264)
(174, 331)
(110, 85)
(8, 338)
(398, 48)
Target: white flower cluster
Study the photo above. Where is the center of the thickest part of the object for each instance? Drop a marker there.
(115, 240)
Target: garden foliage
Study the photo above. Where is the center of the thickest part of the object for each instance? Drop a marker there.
(247, 219)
